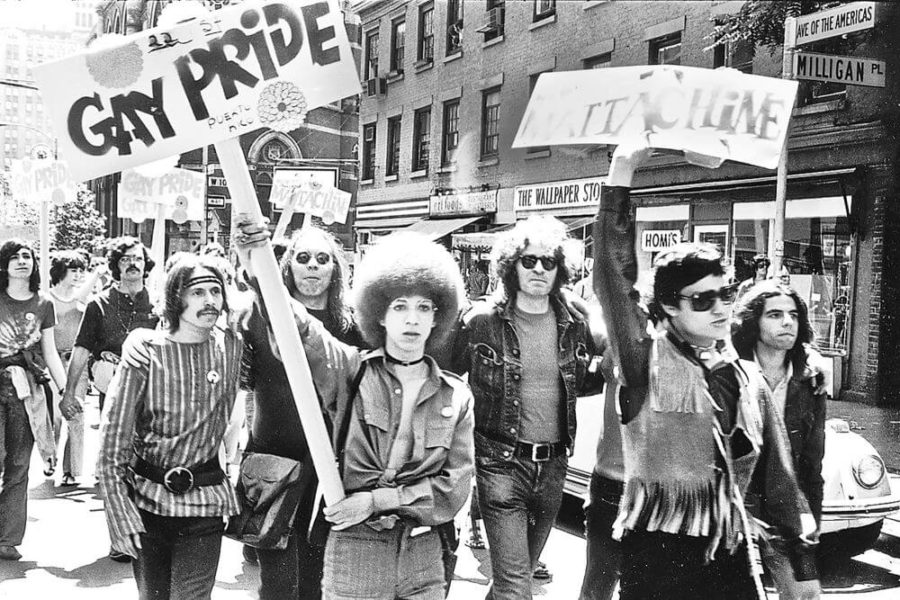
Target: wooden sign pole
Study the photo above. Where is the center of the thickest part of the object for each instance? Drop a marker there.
(282, 324)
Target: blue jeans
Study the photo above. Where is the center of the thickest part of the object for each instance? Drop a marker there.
(604, 554)
(178, 557)
(362, 563)
(519, 501)
(16, 443)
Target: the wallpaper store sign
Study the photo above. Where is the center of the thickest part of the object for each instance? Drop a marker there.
(475, 203)
(559, 195)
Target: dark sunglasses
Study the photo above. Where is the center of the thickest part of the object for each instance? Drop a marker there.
(703, 301)
(548, 262)
(323, 258)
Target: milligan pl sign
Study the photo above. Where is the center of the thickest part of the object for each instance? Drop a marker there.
(850, 70)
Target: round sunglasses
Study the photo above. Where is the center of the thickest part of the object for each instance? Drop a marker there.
(704, 301)
(323, 258)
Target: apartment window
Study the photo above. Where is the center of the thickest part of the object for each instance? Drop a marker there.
(393, 147)
(368, 152)
(421, 139)
(371, 55)
(544, 9)
(398, 45)
(426, 34)
(451, 131)
(532, 81)
(490, 123)
(454, 26)
(495, 20)
(602, 61)
(736, 54)
(666, 50)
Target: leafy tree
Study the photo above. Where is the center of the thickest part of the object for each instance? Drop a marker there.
(762, 21)
(77, 223)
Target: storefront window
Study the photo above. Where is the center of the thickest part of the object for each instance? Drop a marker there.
(657, 228)
(817, 258)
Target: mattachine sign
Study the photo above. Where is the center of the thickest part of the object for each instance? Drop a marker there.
(720, 113)
(167, 90)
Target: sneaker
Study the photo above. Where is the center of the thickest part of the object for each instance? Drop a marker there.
(541, 572)
(119, 557)
(250, 556)
(9, 553)
(68, 480)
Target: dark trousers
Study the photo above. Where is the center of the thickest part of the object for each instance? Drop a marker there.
(662, 566)
(16, 443)
(604, 554)
(296, 571)
(519, 500)
(178, 557)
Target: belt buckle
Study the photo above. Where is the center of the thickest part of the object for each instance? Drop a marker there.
(178, 480)
(540, 452)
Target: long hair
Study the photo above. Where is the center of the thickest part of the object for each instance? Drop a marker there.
(407, 264)
(177, 278)
(542, 230)
(117, 249)
(338, 291)
(748, 312)
(62, 261)
(9, 249)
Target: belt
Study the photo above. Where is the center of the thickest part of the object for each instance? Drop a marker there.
(541, 452)
(180, 480)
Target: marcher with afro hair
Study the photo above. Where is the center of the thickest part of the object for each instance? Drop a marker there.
(408, 454)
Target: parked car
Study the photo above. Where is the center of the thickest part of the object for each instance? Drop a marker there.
(857, 492)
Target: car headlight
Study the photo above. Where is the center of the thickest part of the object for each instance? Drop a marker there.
(869, 471)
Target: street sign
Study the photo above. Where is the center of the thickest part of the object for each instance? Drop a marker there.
(839, 69)
(215, 201)
(848, 18)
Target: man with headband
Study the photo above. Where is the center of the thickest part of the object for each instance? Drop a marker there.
(165, 492)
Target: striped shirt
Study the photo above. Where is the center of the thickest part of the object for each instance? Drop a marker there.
(172, 412)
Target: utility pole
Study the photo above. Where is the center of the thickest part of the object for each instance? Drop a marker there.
(776, 252)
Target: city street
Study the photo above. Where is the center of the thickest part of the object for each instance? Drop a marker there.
(64, 552)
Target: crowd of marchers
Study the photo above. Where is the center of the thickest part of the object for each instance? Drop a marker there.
(708, 467)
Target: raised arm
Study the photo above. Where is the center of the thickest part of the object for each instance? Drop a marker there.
(615, 273)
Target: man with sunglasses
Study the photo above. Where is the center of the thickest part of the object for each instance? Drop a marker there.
(699, 429)
(316, 274)
(528, 359)
(761, 264)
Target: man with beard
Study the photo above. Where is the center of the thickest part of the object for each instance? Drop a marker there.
(107, 321)
(315, 273)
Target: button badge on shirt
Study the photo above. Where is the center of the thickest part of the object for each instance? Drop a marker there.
(447, 411)
(213, 377)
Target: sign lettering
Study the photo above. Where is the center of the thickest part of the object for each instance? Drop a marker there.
(656, 240)
(180, 190)
(167, 90)
(722, 113)
(572, 194)
(839, 69)
(476, 203)
(848, 18)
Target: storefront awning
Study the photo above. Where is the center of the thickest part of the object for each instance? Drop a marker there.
(438, 228)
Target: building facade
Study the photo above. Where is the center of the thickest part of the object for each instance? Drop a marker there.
(445, 85)
(327, 142)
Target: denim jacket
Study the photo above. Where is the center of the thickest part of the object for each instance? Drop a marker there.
(487, 347)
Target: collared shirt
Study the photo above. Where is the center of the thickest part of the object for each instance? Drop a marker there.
(172, 412)
(778, 394)
(110, 317)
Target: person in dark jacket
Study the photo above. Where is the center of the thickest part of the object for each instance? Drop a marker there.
(772, 329)
(699, 428)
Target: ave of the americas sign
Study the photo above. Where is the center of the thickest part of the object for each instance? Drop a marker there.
(840, 20)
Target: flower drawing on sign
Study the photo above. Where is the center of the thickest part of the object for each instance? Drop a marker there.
(179, 215)
(282, 106)
(116, 67)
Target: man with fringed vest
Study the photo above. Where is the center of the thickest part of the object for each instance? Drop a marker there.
(699, 430)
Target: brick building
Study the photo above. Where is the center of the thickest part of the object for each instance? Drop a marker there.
(326, 141)
(445, 86)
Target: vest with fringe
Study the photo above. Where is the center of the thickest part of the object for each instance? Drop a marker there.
(680, 477)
